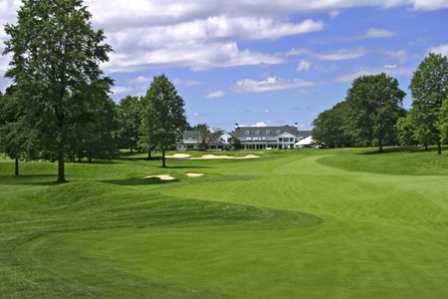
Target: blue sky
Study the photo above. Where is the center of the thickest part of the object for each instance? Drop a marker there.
(260, 62)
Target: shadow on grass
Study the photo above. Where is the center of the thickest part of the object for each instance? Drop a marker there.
(138, 182)
(402, 149)
(183, 167)
(29, 179)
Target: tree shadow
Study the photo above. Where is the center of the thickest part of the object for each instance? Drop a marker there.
(183, 167)
(402, 149)
(29, 179)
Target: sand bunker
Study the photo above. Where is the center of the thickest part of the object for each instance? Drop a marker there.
(225, 157)
(163, 177)
(179, 156)
(194, 175)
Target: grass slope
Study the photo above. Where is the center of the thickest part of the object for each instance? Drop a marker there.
(283, 226)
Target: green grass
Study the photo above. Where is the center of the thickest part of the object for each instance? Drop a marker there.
(345, 223)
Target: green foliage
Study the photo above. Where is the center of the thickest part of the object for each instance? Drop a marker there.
(207, 135)
(406, 128)
(163, 116)
(129, 111)
(55, 65)
(329, 127)
(429, 87)
(374, 104)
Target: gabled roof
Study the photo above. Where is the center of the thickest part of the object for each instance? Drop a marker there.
(242, 132)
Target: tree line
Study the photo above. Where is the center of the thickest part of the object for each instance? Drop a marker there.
(58, 106)
(372, 113)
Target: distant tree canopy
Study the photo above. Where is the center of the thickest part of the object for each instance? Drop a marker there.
(367, 116)
(329, 127)
(162, 117)
(429, 87)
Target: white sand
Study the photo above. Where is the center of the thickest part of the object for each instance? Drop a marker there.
(225, 157)
(163, 177)
(179, 156)
(194, 175)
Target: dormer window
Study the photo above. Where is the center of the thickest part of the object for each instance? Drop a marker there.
(257, 132)
(247, 132)
(279, 132)
(268, 132)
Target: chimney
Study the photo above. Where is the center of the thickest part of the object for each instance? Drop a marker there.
(237, 126)
(296, 125)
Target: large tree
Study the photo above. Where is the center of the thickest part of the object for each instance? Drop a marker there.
(374, 104)
(329, 126)
(129, 111)
(429, 88)
(54, 65)
(163, 116)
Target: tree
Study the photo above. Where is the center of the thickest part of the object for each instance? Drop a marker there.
(163, 116)
(54, 65)
(329, 127)
(98, 139)
(129, 116)
(208, 134)
(15, 143)
(429, 88)
(374, 104)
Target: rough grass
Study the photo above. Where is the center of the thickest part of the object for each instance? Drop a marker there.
(284, 226)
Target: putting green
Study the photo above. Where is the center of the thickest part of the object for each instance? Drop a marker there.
(283, 226)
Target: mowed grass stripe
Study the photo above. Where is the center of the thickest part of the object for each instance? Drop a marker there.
(244, 230)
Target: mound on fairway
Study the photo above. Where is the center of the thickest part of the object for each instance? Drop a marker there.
(285, 226)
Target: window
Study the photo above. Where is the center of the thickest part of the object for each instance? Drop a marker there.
(268, 132)
(247, 132)
(278, 132)
(257, 132)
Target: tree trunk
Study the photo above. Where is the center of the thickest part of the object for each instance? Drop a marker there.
(72, 157)
(131, 149)
(439, 148)
(61, 168)
(426, 146)
(79, 159)
(149, 155)
(17, 167)
(380, 142)
(90, 157)
(163, 158)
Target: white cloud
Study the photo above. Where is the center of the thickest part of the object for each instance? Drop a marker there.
(390, 66)
(260, 124)
(243, 110)
(179, 81)
(333, 14)
(196, 56)
(429, 4)
(267, 111)
(273, 83)
(376, 32)
(121, 89)
(294, 52)
(216, 94)
(303, 65)
(400, 56)
(342, 54)
(140, 80)
(302, 92)
(442, 49)
(352, 74)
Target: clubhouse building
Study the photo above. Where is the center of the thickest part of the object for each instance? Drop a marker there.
(251, 138)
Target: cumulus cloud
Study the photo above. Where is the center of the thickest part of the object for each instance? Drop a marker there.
(390, 66)
(260, 124)
(342, 54)
(294, 52)
(121, 89)
(216, 94)
(303, 65)
(333, 14)
(267, 111)
(179, 81)
(197, 57)
(400, 56)
(442, 49)
(376, 33)
(270, 84)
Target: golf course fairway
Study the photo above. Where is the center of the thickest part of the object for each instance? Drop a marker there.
(346, 223)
